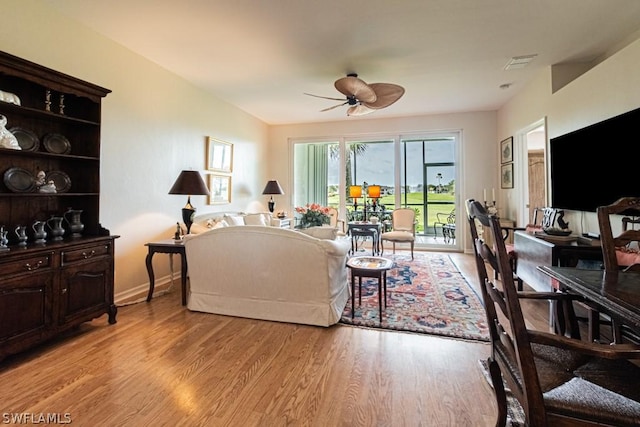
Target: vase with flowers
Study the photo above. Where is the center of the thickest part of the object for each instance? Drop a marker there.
(313, 215)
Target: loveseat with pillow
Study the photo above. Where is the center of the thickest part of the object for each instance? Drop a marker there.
(211, 220)
(267, 273)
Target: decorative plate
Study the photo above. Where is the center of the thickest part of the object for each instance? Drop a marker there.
(27, 140)
(61, 181)
(19, 180)
(56, 144)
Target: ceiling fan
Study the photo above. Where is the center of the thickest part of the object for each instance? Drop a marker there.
(363, 98)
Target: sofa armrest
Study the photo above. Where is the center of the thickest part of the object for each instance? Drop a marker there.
(338, 247)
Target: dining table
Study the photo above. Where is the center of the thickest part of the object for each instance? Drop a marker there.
(615, 293)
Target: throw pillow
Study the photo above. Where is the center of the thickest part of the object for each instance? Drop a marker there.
(254, 219)
(328, 233)
(234, 220)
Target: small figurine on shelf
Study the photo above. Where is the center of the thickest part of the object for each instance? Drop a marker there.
(40, 179)
(7, 139)
(42, 185)
(178, 233)
(47, 100)
(49, 187)
(3, 239)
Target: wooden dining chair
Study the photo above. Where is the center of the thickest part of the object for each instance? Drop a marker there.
(619, 251)
(558, 381)
(614, 247)
(564, 320)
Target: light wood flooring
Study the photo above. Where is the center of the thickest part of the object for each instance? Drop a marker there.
(162, 365)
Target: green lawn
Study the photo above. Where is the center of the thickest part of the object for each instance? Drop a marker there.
(415, 201)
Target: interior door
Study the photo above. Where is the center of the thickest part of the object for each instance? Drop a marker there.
(537, 193)
(531, 167)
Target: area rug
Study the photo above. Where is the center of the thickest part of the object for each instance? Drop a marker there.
(425, 295)
(515, 413)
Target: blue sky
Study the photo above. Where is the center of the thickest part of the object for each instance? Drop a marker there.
(375, 165)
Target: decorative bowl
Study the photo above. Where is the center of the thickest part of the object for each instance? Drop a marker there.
(556, 231)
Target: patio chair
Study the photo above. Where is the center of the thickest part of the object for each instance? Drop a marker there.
(403, 223)
(448, 224)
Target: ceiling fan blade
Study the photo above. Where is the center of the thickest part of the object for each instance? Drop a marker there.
(353, 86)
(335, 106)
(324, 97)
(387, 94)
(359, 110)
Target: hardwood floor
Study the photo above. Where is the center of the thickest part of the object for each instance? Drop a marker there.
(164, 365)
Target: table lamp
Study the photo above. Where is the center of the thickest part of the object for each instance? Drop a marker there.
(189, 183)
(271, 188)
(374, 193)
(355, 192)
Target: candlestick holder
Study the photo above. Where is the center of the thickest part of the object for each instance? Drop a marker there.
(491, 208)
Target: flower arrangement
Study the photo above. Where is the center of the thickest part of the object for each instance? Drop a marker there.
(313, 215)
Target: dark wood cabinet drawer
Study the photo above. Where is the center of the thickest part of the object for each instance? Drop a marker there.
(29, 264)
(25, 309)
(85, 289)
(85, 253)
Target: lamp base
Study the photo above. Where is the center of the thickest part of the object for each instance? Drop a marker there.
(187, 217)
(272, 206)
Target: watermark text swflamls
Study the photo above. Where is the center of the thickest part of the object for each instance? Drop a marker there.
(36, 418)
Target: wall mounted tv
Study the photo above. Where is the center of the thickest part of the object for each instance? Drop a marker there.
(596, 165)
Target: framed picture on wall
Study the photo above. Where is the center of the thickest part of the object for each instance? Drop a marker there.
(219, 189)
(219, 155)
(506, 176)
(506, 150)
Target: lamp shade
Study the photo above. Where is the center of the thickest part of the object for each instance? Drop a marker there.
(374, 191)
(189, 183)
(272, 187)
(355, 191)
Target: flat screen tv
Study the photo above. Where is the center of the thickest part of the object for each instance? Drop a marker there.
(596, 165)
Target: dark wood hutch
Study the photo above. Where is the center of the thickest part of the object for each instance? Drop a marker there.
(46, 288)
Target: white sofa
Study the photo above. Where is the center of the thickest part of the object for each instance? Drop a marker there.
(267, 273)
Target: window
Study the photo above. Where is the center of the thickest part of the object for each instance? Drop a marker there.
(422, 175)
(316, 173)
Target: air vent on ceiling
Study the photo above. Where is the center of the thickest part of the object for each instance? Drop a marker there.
(519, 62)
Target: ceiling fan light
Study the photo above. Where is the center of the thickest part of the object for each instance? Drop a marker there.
(359, 110)
(353, 86)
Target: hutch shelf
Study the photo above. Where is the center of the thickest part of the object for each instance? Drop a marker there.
(51, 284)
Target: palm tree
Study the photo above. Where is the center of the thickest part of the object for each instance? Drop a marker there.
(355, 149)
(439, 178)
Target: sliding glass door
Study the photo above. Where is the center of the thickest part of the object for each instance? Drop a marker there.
(429, 184)
(416, 172)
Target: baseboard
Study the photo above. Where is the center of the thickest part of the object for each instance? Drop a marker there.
(140, 292)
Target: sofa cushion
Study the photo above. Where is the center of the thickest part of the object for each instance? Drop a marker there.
(327, 233)
(255, 219)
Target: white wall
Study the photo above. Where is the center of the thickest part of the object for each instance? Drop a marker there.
(610, 88)
(154, 125)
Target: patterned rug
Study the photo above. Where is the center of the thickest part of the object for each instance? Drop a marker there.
(427, 295)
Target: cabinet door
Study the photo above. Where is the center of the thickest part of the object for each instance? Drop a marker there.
(86, 290)
(25, 310)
